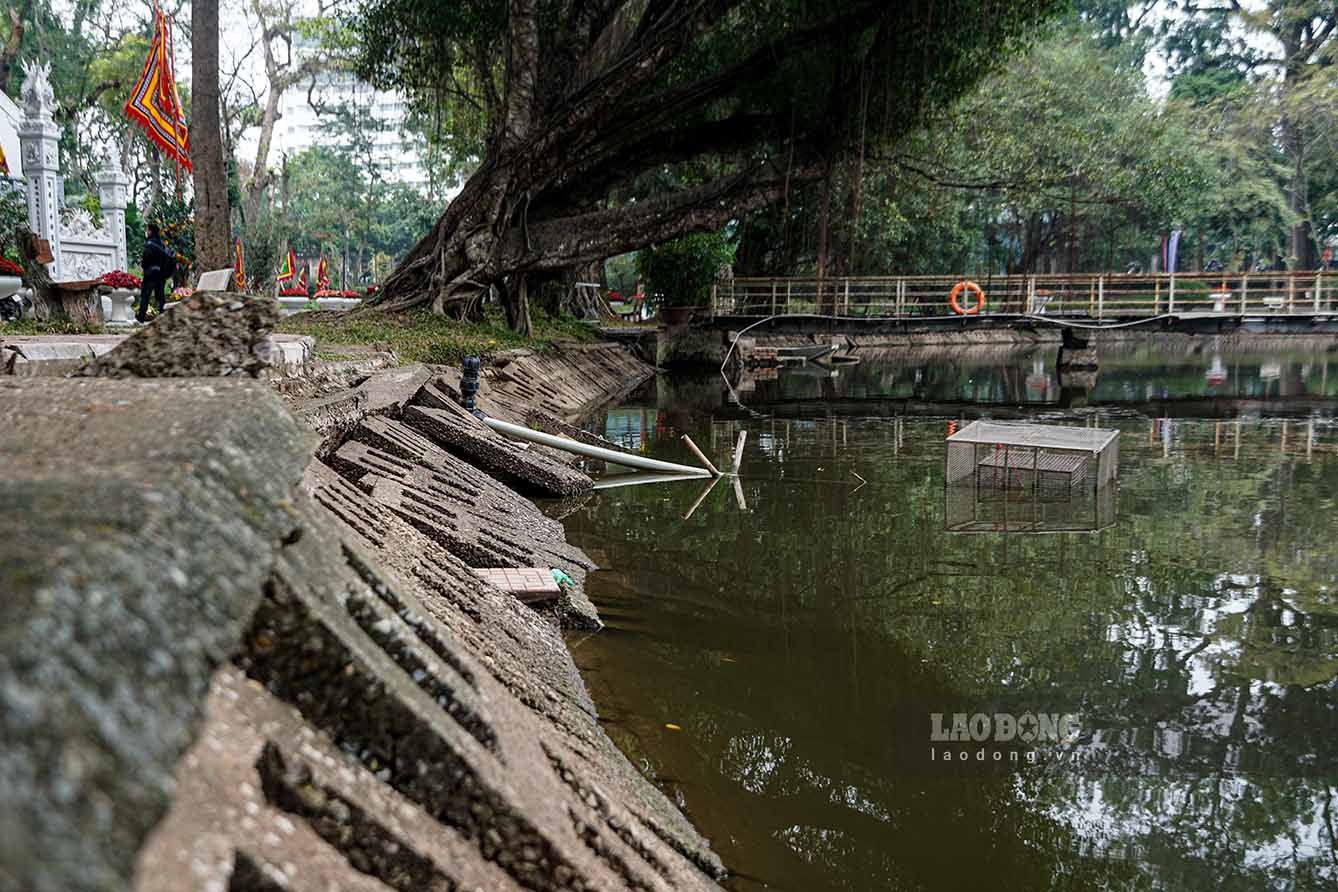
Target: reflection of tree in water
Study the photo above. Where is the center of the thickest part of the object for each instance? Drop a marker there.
(1197, 639)
(1000, 377)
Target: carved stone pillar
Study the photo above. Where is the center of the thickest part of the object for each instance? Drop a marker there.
(113, 188)
(39, 144)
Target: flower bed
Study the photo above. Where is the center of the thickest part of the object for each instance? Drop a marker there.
(293, 292)
(330, 292)
(10, 268)
(182, 293)
(120, 279)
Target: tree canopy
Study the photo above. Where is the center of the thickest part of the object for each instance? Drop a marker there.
(576, 101)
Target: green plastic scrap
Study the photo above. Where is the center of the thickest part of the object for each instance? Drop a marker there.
(561, 577)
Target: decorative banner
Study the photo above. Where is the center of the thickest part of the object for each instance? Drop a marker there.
(239, 267)
(322, 274)
(4, 165)
(154, 103)
(302, 277)
(289, 268)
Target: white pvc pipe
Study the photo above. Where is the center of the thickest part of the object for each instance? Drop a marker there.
(614, 481)
(596, 452)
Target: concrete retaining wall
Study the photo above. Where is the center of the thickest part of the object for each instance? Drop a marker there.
(227, 666)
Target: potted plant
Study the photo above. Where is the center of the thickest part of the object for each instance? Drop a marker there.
(684, 270)
(123, 286)
(11, 278)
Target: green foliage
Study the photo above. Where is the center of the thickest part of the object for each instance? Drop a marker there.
(423, 337)
(175, 214)
(759, 88)
(338, 208)
(621, 273)
(684, 269)
(260, 251)
(134, 228)
(13, 213)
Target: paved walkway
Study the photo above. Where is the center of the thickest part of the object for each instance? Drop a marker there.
(20, 350)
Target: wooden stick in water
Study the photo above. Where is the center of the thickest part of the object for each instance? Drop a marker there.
(701, 498)
(738, 451)
(701, 457)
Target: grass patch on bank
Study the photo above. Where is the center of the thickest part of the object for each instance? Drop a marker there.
(419, 336)
(26, 327)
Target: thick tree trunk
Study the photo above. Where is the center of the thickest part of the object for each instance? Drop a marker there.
(53, 302)
(1298, 200)
(213, 230)
(824, 305)
(260, 175)
(560, 144)
(518, 306)
(9, 55)
(1296, 49)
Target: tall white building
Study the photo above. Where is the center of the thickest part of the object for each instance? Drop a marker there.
(308, 118)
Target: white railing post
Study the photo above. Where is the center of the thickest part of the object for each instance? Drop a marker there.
(788, 285)
(1244, 292)
(1170, 298)
(774, 286)
(1291, 291)
(1319, 281)
(1100, 297)
(845, 310)
(715, 289)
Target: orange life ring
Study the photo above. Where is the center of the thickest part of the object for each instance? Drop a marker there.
(966, 285)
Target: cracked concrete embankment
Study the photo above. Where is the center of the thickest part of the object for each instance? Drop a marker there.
(225, 665)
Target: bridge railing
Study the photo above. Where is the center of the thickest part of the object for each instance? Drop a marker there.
(1091, 296)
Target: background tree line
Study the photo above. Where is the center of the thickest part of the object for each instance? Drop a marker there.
(1032, 147)
(1070, 158)
(328, 198)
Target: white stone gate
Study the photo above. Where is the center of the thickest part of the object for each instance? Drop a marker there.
(82, 249)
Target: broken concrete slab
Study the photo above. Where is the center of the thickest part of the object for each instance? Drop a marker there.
(114, 616)
(321, 378)
(528, 470)
(513, 798)
(405, 724)
(384, 393)
(568, 381)
(205, 335)
(473, 516)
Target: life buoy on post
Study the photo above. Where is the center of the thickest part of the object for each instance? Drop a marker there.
(966, 285)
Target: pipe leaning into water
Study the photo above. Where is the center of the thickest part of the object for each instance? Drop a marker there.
(596, 452)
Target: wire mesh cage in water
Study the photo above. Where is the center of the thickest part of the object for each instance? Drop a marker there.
(1030, 477)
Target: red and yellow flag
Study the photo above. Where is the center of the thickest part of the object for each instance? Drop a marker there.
(239, 267)
(4, 165)
(154, 103)
(302, 277)
(322, 274)
(289, 268)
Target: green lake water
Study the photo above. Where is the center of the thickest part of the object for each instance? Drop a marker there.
(774, 661)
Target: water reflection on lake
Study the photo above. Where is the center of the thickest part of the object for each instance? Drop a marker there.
(801, 643)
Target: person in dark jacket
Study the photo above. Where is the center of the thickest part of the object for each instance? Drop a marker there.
(158, 264)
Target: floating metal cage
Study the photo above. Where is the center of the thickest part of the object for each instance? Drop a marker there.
(1020, 477)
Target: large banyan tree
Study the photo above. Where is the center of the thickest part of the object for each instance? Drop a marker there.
(607, 125)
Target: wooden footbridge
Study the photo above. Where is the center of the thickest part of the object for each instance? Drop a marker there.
(1291, 299)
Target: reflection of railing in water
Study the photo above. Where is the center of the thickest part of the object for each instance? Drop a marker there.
(1295, 439)
(1083, 295)
(1226, 440)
